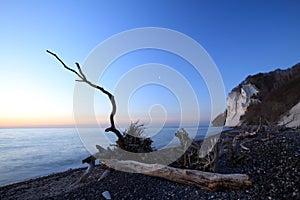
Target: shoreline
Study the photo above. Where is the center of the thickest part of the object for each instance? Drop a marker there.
(272, 178)
(58, 159)
(41, 177)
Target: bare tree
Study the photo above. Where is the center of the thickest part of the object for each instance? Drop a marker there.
(132, 142)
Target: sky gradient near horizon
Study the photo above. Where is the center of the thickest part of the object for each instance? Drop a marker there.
(242, 38)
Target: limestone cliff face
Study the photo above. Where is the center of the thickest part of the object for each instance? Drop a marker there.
(238, 102)
(271, 96)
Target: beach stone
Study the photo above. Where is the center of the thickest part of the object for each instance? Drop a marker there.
(106, 195)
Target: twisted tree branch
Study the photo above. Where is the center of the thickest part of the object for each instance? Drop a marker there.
(83, 78)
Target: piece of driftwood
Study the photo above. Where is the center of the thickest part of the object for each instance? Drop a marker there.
(196, 178)
(91, 162)
(104, 174)
(200, 179)
(204, 180)
(201, 155)
(244, 136)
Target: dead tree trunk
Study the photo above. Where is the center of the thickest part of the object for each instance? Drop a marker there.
(195, 178)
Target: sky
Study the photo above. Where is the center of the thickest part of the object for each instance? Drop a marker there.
(241, 37)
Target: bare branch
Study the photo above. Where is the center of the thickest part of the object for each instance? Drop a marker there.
(80, 71)
(243, 147)
(83, 78)
(65, 66)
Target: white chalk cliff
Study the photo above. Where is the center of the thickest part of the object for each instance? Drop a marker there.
(292, 118)
(238, 102)
(273, 97)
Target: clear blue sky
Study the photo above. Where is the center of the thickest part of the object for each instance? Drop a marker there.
(242, 37)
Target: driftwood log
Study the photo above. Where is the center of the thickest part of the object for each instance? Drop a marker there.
(200, 179)
(191, 177)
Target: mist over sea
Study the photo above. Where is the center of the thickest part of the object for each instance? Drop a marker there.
(32, 152)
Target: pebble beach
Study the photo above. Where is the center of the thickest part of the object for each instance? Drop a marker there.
(273, 166)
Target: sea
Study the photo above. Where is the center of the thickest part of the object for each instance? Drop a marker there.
(27, 153)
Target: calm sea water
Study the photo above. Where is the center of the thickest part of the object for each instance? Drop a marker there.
(32, 152)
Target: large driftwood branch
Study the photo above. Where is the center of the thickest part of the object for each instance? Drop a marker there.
(204, 180)
(83, 78)
(200, 179)
(196, 178)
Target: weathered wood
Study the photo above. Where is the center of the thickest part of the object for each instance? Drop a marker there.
(111, 97)
(200, 179)
(245, 135)
(104, 174)
(201, 155)
(91, 161)
(130, 143)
